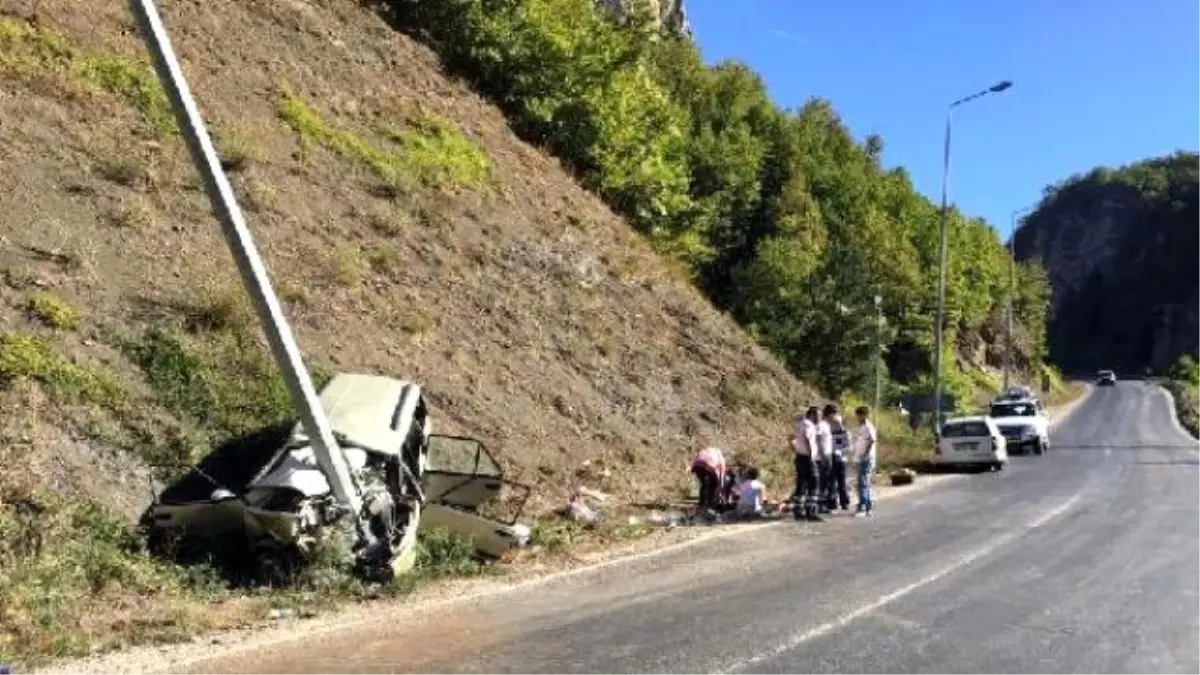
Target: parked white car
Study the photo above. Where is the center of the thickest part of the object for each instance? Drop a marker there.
(971, 442)
(1023, 424)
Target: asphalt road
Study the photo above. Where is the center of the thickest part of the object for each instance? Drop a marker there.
(1086, 559)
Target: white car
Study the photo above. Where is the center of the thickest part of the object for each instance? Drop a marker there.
(971, 441)
(1023, 424)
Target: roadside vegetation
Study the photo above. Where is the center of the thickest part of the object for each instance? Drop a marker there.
(1183, 381)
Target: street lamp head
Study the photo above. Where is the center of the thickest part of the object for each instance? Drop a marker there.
(1000, 86)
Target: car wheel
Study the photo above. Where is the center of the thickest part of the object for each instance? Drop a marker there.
(1037, 447)
(274, 565)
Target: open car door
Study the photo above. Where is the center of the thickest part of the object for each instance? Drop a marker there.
(490, 537)
(466, 493)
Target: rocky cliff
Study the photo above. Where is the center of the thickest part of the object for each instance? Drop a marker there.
(670, 15)
(1120, 248)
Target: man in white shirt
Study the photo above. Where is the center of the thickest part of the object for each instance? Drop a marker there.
(804, 444)
(864, 453)
(824, 463)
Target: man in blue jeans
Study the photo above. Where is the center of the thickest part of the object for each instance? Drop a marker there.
(864, 451)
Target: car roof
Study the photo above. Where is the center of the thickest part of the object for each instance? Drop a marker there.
(374, 410)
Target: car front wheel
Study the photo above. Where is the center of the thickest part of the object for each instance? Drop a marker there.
(1037, 447)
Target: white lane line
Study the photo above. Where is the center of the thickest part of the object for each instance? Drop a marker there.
(883, 600)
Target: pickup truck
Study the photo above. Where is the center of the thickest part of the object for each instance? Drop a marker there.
(1023, 424)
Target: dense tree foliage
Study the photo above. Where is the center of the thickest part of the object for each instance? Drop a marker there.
(782, 217)
(1121, 246)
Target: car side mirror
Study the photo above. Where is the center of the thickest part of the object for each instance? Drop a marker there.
(221, 495)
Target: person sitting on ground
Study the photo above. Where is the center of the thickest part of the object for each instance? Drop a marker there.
(751, 495)
(708, 466)
(733, 479)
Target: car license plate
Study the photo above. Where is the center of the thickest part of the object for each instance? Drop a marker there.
(962, 447)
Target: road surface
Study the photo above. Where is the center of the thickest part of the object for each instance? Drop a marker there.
(1086, 559)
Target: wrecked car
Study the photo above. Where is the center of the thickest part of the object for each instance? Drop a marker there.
(265, 503)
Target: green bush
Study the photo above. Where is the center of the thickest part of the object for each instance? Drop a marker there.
(1186, 369)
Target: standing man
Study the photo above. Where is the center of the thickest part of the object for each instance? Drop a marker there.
(804, 443)
(865, 454)
(824, 460)
(836, 493)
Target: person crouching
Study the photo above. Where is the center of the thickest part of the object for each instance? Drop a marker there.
(708, 466)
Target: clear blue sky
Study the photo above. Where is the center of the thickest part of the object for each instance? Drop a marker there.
(1095, 82)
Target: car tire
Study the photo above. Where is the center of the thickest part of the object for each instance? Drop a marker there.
(1038, 448)
(275, 566)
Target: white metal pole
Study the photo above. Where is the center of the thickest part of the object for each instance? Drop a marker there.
(249, 264)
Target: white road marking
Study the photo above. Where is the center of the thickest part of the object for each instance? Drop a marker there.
(883, 600)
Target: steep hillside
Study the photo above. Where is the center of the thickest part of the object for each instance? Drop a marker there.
(469, 262)
(1120, 247)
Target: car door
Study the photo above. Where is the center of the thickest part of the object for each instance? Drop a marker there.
(490, 537)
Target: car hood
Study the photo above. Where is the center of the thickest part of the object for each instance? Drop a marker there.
(299, 471)
(1010, 422)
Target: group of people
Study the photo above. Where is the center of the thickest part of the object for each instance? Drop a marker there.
(823, 450)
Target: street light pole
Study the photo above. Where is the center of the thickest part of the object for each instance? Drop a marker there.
(249, 264)
(941, 290)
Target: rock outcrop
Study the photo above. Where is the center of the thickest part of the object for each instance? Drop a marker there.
(1120, 248)
(671, 16)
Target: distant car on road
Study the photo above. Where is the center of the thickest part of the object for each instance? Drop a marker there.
(1106, 378)
(971, 442)
(1024, 425)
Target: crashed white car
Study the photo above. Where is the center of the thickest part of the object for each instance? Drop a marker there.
(269, 502)
(1024, 425)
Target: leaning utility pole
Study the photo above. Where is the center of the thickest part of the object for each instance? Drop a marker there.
(254, 274)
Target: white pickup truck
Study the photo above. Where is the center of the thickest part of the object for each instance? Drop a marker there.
(1024, 425)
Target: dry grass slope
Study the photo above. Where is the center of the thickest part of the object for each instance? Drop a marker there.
(408, 232)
